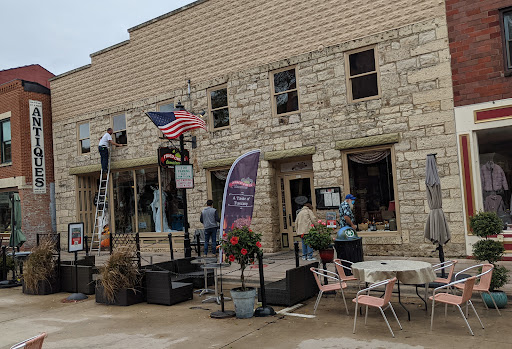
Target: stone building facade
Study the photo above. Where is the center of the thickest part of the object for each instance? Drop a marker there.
(311, 140)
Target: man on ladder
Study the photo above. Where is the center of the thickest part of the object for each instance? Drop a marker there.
(103, 148)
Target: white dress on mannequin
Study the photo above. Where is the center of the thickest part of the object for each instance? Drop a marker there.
(155, 206)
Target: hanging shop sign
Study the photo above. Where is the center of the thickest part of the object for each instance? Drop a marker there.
(37, 139)
(184, 176)
(170, 157)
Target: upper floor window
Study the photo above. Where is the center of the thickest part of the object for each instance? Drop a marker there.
(506, 22)
(285, 94)
(84, 139)
(218, 107)
(362, 74)
(5, 140)
(119, 127)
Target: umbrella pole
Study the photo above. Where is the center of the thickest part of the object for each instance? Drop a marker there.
(441, 259)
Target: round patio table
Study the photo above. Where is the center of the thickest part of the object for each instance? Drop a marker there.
(406, 271)
(203, 261)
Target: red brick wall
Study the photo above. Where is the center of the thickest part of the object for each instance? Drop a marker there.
(477, 52)
(34, 73)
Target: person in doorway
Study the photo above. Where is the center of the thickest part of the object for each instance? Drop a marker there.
(103, 148)
(346, 208)
(305, 218)
(210, 218)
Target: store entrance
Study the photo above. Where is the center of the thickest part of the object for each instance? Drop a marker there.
(295, 190)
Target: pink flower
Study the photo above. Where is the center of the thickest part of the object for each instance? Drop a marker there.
(243, 251)
(258, 244)
(234, 240)
(324, 224)
(312, 225)
(231, 258)
(319, 221)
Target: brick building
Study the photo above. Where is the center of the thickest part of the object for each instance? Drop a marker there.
(480, 33)
(339, 98)
(26, 150)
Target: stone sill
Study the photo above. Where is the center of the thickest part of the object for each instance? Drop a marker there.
(6, 164)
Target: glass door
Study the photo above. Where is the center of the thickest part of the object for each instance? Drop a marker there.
(295, 191)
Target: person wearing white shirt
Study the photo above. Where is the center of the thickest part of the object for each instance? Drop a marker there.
(103, 147)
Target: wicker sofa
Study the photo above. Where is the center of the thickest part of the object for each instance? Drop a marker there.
(182, 270)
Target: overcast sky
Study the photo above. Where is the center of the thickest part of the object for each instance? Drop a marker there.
(61, 34)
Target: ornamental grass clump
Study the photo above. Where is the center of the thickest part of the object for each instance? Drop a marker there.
(40, 266)
(319, 236)
(485, 224)
(241, 245)
(119, 272)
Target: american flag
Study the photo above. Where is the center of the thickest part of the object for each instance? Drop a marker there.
(174, 123)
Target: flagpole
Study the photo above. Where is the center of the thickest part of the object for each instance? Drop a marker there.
(186, 241)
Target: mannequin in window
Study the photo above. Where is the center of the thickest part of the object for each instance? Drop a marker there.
(156, 207)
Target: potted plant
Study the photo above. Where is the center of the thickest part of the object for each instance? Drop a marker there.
(40, 274)
(120, 281)
(319, 238)
(485, 224)
(242, 245)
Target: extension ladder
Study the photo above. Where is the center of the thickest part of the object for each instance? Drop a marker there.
(101, 208)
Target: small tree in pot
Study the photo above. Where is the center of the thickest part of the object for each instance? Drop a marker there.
(485, 224)
(319, 238)
(242, 245)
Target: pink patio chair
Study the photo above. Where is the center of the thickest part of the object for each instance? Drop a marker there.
(340, 268)
(450, 265)
(337, 285)
(376, 302)
(35, 342)
(448, 298)
(483, 285)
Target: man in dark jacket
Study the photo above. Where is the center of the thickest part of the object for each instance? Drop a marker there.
(210, 218)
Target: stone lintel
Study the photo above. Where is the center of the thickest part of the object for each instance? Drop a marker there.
(289, 153)
(219, 163)
(115, 165)
(368, 141)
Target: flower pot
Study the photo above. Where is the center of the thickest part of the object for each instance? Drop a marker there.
(499, 297)
(123, 297)
(327, 255)
(44, 287)
(244, 302)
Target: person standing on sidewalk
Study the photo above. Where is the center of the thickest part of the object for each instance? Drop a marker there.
(210, 218)
(305, 218)
(347, 218)
(103, 148)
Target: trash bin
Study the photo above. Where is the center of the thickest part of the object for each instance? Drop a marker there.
(348, 246)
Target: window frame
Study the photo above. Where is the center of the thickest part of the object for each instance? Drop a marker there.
(349, 78)
(346, 187)
(209, 186)
(2, 155)
(211, 110)
(125, 129)
(507, 70)
(274, 94)
(79, 140)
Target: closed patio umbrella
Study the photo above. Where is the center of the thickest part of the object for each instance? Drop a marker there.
(436, 228)
(17, 238)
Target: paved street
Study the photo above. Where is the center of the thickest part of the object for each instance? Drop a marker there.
(188, 325)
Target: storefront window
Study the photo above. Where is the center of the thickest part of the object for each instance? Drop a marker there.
(5, 212)
(495, 154)
(124, 201)
(148, 200)
(371, 181)
(218, 181)
(172, 202)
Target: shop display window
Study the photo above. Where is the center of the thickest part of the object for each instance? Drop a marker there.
(172, 202)
(148, 200)
(371, 181)
(5, 212)
(495, 155)
(124, 201)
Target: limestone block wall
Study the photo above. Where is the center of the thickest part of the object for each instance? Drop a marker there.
(416, 103)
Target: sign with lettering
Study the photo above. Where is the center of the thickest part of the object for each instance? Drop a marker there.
(37, 140)
(184, 176)
(170, 157)
(75, 237)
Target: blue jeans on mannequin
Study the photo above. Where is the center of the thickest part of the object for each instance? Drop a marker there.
(307, 251)
(210, 233)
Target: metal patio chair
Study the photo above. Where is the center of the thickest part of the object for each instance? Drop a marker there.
(35, 342)
(337, 285)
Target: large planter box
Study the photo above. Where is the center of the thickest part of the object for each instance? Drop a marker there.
(86, 260)
(85, 281)
(123, 297)
(160, 289)
(44, 287)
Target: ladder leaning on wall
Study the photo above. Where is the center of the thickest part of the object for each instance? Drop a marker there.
(101, 208)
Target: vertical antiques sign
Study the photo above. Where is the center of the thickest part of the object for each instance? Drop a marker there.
(37, 140)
